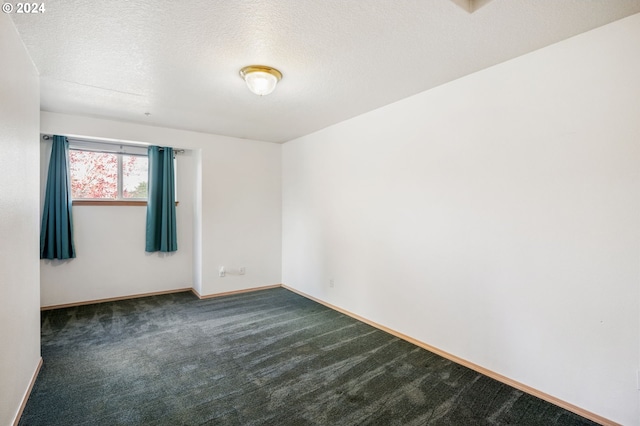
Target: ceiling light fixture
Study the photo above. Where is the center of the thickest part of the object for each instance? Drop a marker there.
(260, 79)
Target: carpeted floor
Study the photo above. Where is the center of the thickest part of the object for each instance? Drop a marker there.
(264, 358)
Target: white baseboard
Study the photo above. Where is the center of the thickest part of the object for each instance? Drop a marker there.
(25, 398)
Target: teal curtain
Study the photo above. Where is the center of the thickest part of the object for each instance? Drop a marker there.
(56, 233)
(161, 205)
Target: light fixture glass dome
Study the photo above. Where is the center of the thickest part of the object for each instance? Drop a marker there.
(260, 79)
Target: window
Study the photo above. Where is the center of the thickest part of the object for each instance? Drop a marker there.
(101, 171)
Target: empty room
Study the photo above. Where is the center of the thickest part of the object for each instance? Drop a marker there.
(420, 212)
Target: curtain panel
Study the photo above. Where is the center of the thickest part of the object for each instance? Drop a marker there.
(161, 207)
(56, 232)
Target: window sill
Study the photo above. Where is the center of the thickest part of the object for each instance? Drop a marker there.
(110, 203)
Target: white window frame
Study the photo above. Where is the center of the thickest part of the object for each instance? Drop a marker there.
(110, 148)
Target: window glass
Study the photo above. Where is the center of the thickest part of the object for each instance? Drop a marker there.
(134, 176)
(94, 175)
(107, 176)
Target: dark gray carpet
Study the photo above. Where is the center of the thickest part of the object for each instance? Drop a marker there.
(264, 358)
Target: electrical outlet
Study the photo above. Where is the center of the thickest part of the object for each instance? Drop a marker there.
(331, 283)
(222, 272)
(243, 270)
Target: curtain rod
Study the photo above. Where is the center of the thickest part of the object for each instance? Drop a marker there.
(176, 151)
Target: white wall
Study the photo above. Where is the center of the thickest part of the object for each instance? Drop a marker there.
(496, 217)
(19, 222)
(229, 215)
(241, 215)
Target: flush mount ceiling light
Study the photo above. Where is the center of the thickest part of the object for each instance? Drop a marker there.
(260, 79)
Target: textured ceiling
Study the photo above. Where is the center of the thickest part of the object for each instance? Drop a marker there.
(179, 60)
